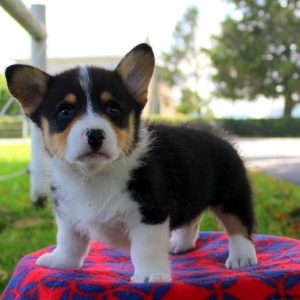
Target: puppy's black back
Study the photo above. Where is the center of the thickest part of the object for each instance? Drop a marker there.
(186, 171)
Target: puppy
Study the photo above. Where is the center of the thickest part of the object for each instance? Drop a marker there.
(126, 184)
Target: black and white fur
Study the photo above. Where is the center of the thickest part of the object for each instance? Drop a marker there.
(143, 181)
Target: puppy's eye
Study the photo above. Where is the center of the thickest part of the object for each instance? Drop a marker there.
(65, 111)
(113, 109)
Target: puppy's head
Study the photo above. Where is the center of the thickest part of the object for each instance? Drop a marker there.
(88, 115)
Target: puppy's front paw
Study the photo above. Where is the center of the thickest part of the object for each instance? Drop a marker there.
(240, 262)
(151, 277)
(55, 261)
(241, 253)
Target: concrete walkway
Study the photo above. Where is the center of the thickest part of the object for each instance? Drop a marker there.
(279, 157)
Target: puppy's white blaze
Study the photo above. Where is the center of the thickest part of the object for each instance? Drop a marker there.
(241, 252)
(85, 84)
(77, 144)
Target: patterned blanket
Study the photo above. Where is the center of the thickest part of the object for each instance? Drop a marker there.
(199, 274)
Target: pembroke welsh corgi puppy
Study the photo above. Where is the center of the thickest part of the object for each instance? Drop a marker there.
(124, 183)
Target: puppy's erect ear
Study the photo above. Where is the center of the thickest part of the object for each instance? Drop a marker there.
(28, 85)
(136, 70)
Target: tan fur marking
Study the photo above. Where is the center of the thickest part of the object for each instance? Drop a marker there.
(28, 109)
(125, 137)
(56, 143)
(127, 147)
(71, 98)
(231, 223)
(143, 98)
(105, 96)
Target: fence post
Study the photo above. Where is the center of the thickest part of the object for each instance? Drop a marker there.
(25, 128)
(39, 181)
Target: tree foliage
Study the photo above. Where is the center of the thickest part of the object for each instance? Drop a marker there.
(181, 64)
(258, 52)
(4, 93)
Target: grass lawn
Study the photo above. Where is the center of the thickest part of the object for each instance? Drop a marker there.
(24, 229)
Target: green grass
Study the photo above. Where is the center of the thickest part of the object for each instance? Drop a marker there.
(24, 229)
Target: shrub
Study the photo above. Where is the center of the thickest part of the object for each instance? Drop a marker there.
(11, 127)
(281, 127)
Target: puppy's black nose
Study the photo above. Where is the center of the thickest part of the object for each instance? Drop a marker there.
(95, 138)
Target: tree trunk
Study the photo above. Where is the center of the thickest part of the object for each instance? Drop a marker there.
(288, 106)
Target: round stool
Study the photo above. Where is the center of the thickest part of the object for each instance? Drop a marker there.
(198, 274)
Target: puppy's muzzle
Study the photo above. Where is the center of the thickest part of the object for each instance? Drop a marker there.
(95, 138)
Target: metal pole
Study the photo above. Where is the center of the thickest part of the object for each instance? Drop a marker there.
(25, 128)
(39, 181)
(38, 46)
(17, 10)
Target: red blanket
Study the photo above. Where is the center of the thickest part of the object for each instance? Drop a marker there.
(199, 274)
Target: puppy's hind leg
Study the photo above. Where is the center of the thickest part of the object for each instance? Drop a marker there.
(241, 249)
(183, 239)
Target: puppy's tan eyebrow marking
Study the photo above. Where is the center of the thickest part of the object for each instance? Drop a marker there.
(105, 96)
(70, 98)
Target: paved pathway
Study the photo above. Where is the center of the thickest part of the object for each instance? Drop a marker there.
(279, 157)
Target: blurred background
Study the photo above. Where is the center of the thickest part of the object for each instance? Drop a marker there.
(228, 63)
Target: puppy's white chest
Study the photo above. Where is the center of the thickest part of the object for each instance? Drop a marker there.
(101, 208)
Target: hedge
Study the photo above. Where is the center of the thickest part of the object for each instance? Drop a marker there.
(261, 127)
(282, 127)
(11, 127)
